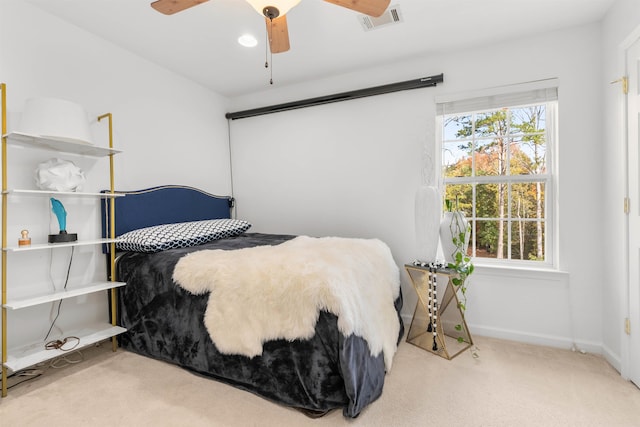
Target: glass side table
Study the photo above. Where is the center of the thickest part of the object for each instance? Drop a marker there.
(438, 323)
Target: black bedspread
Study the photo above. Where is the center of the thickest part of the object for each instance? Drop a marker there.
(326, 372)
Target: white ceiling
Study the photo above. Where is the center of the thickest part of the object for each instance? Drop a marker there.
(201, 43)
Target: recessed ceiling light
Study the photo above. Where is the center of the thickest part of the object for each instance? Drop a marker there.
(247, 40)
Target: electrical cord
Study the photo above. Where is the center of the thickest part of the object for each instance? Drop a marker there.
(56, 363)
(66, 281)
(59, 344)
(22, 377)
(40, 369)
(25, 375)
(53, 287)
(234, 207)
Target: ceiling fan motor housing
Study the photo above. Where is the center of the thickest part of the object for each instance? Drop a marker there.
(271, 12)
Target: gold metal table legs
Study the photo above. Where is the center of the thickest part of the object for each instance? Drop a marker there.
(438, 323)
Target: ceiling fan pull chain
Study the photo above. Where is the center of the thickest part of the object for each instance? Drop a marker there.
(270, 52)
(266, 49)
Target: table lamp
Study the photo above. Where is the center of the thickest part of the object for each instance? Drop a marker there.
(61, 214)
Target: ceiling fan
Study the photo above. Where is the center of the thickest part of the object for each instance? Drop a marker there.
(274, 12)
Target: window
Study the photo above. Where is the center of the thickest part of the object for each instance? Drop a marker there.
(496, 157)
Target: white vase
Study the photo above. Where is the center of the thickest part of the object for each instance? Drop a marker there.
(427, 219)
(453, 223)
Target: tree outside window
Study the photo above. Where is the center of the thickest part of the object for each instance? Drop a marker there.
(495, 165)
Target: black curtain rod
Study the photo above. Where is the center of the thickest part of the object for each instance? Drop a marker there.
(344, 96)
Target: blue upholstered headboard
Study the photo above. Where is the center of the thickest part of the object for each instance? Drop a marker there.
(163, 205)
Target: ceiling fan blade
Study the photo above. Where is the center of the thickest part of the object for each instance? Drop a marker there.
(278, 34)
(368, 7)
(169, 7)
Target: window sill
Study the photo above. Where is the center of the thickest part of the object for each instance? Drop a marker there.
(519, 271)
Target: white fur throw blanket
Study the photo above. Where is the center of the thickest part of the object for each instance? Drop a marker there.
(276, 292)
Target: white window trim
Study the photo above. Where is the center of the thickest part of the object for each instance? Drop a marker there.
(510, 95)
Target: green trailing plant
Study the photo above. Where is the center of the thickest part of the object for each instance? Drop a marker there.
(462, 264)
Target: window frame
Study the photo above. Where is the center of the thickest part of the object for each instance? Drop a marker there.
(549, 178)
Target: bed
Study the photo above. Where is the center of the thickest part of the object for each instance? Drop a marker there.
(186, 317)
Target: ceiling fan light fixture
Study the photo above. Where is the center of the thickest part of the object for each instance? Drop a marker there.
(281, 6)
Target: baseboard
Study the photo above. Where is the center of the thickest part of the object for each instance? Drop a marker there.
(537, 339)
(612, 358)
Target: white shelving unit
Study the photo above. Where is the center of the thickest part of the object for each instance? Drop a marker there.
(17, 358)
(40, 246)
(57, 193)
(32, 300)
(20, 139)
(32, 354)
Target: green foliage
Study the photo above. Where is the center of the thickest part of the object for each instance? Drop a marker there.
(461, 264)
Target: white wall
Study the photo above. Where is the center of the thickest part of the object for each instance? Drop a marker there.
(159, 117)
(352, 169)
(171, 131)
(620, 27)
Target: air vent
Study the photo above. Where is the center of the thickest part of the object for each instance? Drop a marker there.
(391, 16)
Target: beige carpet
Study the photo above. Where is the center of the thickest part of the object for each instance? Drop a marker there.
(511, 384)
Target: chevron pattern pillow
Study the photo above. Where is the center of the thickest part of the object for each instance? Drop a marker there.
(180, 235)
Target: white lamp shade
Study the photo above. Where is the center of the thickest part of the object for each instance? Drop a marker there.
(56, 119)
(283, 6)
